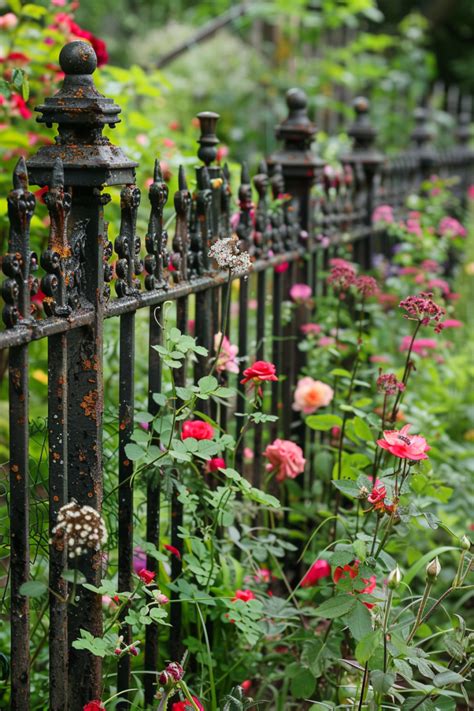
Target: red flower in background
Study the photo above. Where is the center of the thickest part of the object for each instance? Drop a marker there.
(244, 595)
(320, 569)
(378, 494)
(146, 576)
(19, 104)
(172, 550)
(186, 705)
(95, 705)
(353, 571)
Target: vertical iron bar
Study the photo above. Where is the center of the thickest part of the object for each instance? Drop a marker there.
(157, 258)
(18, 265)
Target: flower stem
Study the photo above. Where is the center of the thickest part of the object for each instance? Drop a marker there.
(421, 607)
(406, 374)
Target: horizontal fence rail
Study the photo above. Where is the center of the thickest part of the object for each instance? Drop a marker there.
(280, 228)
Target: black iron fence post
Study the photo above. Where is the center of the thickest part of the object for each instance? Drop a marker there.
(365, 161)
(89, 161)
(422, 140)
(301, 168)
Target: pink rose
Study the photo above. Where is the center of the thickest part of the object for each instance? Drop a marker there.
(8, 21)
(311, 394)
(285, 459)
(227, 358)
(300, 292)
(383, 213)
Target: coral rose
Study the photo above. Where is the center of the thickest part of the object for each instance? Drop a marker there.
(311, 394)
(401, 445)
(285, 459)
(197, 429)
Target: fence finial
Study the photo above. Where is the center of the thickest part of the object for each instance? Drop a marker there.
(208, 140)
(363, 133)
(81, 113)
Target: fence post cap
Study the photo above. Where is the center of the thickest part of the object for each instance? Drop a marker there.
(208, 140)
(81, 113)
(78, 57)
(363, 135)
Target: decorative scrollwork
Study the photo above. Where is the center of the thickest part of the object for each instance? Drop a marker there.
(263, 228)
(226, 196)
(63, 265)
(244, 226)
(127, 245)
(20, 262)
(277, 215)
(201, 231)
(182, 205)
(156, 239)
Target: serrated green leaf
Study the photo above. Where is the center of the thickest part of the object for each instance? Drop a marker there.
(323, 422)
(359, 621)
(134, 452)
(367, 645)
(336, 606)
(446, 678)
(381, 681)
(362, 429)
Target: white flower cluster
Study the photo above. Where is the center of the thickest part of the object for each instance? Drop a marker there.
(228, 255)
(79, 528)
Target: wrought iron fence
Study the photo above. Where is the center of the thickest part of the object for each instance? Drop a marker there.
(303, 212)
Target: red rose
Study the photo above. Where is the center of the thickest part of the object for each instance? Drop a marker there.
(244, 595)
(319, 569)
(197, 429)
(146, 576)
(95, 705)
(259, 372)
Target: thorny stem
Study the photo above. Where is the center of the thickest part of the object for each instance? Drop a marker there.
(388, 605)
(426, 592)
(374, 539)
(446, 593)
(406, 374)
(224, 322)
(344, 419)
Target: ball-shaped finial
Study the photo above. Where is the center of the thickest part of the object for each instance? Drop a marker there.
(361, 105)
(78, 58)
(296, 99)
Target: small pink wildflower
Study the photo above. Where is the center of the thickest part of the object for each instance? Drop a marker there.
(389, 384)
(421, 346)
(422, 308)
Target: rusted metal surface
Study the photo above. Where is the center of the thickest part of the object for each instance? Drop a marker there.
(290, 233)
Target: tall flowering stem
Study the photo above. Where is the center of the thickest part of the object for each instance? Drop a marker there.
(425, 312)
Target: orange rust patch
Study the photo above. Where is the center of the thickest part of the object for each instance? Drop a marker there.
(55, 499)
(89, 404)
(15, 468)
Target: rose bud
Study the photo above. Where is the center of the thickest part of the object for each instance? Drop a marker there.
(433, 569)
(394, 578)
